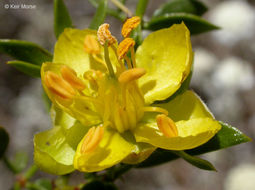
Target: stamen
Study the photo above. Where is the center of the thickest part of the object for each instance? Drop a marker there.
(131, 75)
(119, 61)
(98, 59)
(128, 62)
(71, 77)
(58, 85)
(129, 25)
(107, 59)
(104, 35)
(124, 47)
(155, 109)
(133, 56)
(91, 45)
(92, 139)
(166, 126)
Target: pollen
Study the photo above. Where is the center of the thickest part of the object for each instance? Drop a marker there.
(166, 126)
(129, 25)
(91, 45)
(131, 75)
(104, 35)
(71, 77)
(92, 139)
(124, 47)
(58, 85)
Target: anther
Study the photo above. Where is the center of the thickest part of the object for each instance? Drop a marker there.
(91, 45)
(105, 35)
(131, 75)
(71, 77)
(124, 47)
(58, 85)
(129, 25)
(92, 139)
(166, 126)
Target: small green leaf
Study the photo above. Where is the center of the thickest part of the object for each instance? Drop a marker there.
(99, 16)
(181, 6)
(25, 51)
(62, 18)
(19, 162)
(4, 141)
(27, 68)
(226, 137)
(99, 185)
(195, 161)
(195, 23)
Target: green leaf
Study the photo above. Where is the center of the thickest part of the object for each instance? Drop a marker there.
(27, 68)
(228, 136)
(99, 185)
(19, 162)
(195, 23)
(141, 7)
(62, 18)
(99, 17)
(25, 51)
(181, 6)
(4, 141)
(195, 161)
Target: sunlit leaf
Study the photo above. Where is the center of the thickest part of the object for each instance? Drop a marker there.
(25, 51)
(62, 18)
(195, 23)
(25, 67)
(181, 6)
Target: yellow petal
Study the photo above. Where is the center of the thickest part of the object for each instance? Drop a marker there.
(69, 49)
(191, 133)
(166, 55)
(140, 153)
(111, 150)
(186, 106)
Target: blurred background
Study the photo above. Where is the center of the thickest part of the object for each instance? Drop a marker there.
(223, 76)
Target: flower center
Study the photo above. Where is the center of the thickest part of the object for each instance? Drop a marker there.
(114, 96)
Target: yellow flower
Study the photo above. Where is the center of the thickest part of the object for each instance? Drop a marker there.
(104, 93)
